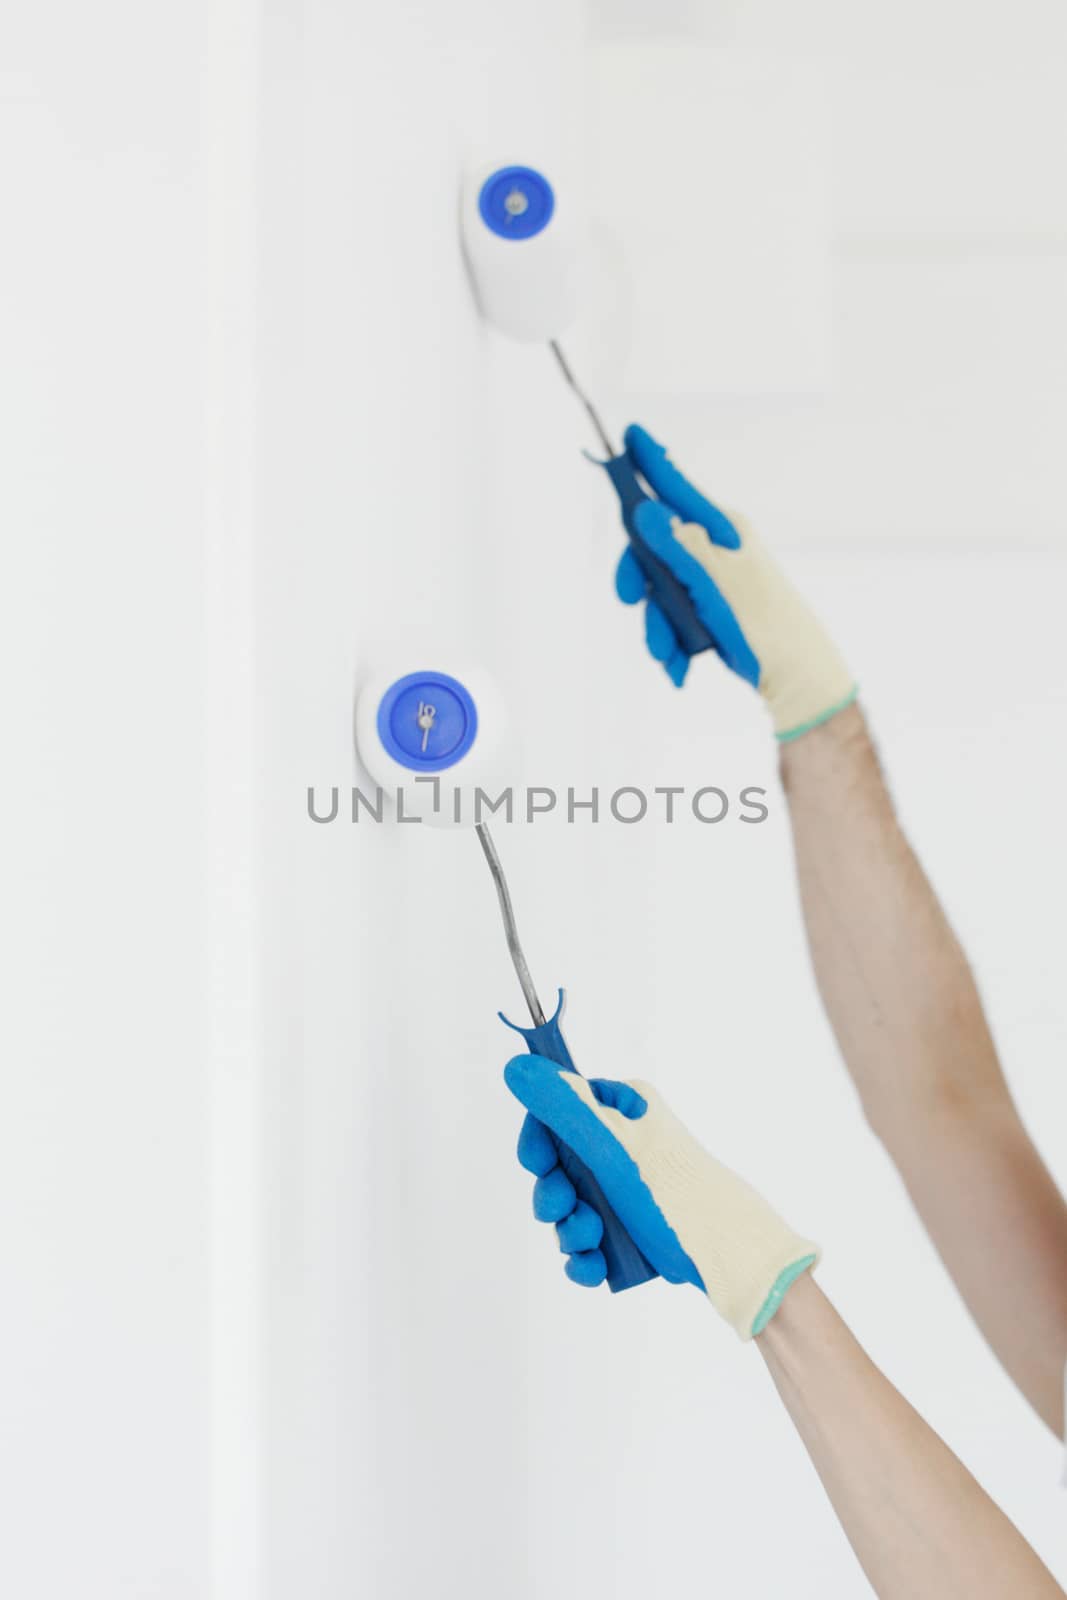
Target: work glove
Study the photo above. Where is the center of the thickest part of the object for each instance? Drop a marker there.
(762, 628)
(692, 1219)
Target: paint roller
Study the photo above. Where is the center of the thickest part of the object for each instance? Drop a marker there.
(438, 740)
(522, 246)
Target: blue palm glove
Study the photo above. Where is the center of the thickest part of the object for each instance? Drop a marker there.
(760, 626)
(675, 497)
(692, 1218)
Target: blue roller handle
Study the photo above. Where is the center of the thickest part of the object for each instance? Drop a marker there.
(626, 1265)
(671, 596)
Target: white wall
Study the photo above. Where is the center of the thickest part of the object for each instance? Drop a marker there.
(396, 1315)
(104, 1131)
(275, 1318)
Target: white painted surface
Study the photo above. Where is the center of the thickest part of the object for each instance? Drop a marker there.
(946, 133)
(275, 1320)
(712, 185)
(104, 1269)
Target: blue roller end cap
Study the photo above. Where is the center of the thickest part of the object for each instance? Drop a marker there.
(427, 721)
(516, 202)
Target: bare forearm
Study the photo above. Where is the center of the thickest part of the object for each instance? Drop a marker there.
(919, 1523)
(891, 972)
(909, 1021)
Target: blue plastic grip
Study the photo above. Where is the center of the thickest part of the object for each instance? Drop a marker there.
(672, 597)
(626, 1265)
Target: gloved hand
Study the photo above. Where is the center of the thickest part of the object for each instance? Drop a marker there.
(693, 1219)
(762, 628)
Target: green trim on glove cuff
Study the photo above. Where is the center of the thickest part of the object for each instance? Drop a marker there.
(783, 1281)
(817, 722)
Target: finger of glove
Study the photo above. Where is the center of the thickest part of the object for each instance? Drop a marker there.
(674, 489)
(677, 667)
(582, 1230)
(656, 528)
(655, 525)
(554, 1196)
(660, 637)
(623, 1097)
(587, 1267)
(566, 1104)
(536, 1148)
(631, 585)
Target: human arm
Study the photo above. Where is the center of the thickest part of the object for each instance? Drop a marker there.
(917, 1520)
(920, 1525)
(907, 1016)
(895, 983)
